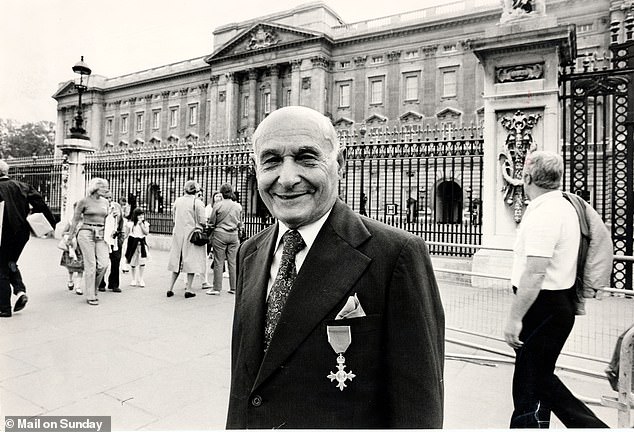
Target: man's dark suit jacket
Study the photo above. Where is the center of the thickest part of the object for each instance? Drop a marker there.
(397, 349)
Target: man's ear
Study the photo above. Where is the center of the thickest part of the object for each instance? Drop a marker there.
(341, 160)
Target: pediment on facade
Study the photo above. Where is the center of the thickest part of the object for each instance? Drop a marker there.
(191, 137)
(411, 116)
(173, 138)
(448, 114)
(480, 111)
(123, 143)
(375, 118)
(262, 36)
(343, 121)
(139, 141)
(155, 140)
(65, 89)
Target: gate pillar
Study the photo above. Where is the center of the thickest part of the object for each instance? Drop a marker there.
(521, 58)
(73, 177)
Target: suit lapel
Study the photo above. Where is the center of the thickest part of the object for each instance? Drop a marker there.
(320, 285)
(253, 302)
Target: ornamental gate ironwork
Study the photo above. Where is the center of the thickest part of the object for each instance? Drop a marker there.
(597, 97)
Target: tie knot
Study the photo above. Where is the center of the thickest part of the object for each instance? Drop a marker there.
(293, 242)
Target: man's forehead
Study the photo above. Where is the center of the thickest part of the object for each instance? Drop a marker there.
(297, 138)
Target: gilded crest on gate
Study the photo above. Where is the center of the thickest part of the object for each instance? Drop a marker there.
(518, 144)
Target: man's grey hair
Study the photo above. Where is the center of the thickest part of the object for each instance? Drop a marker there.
(4, 168)
(545, 168)
(96, 183)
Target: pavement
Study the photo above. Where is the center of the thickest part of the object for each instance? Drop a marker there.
(157, 363)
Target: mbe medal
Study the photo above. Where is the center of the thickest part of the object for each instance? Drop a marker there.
(340, 338)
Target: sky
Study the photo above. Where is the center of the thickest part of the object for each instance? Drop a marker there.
(41, 40)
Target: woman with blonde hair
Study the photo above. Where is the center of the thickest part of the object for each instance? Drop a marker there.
(88, 225)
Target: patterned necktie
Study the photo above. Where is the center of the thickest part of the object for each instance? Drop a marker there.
(293, 243)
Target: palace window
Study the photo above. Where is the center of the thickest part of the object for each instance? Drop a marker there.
(266, 102)
(449, 83)
(193, 114)
(411, 86)
(344, 95)
(156, 119)
(109, 126)
(245, 106)
(376, 91)
(124, 123)
(139, 122)
(174, 117)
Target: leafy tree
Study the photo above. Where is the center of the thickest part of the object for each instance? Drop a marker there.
(20, 140)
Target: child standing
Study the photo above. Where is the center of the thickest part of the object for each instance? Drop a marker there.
(72, 260)
(137, 251)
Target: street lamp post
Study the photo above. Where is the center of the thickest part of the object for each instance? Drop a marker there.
(82, 69)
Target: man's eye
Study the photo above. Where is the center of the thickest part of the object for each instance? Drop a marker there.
(267, 161)
(307, 158)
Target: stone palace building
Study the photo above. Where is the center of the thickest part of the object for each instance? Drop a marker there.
(407, 70)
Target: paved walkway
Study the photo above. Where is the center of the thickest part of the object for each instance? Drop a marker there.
(154, 363)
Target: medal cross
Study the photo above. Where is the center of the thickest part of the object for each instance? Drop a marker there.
(341, 375)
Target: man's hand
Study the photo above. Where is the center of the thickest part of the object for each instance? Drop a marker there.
(512, 334)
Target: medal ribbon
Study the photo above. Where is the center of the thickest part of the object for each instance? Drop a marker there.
(339, 338)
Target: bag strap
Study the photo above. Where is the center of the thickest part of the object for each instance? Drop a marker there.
(579, 205)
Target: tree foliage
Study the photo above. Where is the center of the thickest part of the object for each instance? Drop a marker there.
(20, 140)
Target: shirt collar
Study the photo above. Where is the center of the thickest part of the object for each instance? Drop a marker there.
(545, 196)
(309, 232)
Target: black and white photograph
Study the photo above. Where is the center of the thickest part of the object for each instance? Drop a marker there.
(316, 215)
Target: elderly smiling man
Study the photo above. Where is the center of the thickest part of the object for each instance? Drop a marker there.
(338, 320)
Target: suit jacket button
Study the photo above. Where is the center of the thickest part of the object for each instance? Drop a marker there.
(256, 401)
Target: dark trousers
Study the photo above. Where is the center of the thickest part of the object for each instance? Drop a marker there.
(113, 277)
(10, 276)
(536, 389)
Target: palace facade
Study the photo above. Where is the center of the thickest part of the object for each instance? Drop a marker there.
(406, 71)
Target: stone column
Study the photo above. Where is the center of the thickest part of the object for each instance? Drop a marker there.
(117, 122)
(60, 133)
(253, 89)
(202, 109)
(184, 110)
(96, 121)
(275, 73)
(165, 116)
(213, 108)
(232, 104)
(131, 120)
(359, 102)
(296, 81)
(521, 91)
(318, 83)
(148, 118)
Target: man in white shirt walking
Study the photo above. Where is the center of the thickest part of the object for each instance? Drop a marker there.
(543, 314)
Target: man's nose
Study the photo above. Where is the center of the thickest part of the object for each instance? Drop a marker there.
(289, 173)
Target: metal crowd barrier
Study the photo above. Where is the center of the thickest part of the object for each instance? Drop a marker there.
(480, 312)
